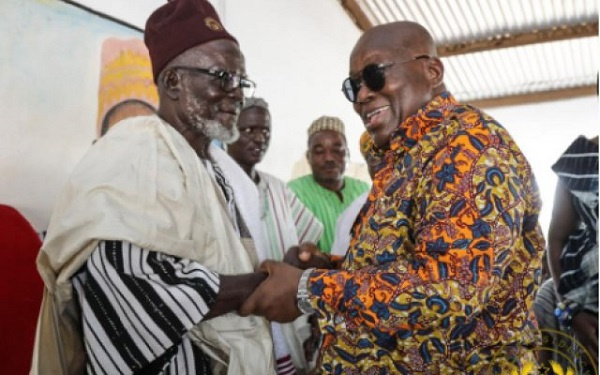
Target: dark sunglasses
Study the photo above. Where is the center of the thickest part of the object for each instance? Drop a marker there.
(228, 81)
(373, 76)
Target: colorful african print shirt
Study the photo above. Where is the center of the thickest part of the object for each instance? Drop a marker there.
(445, 258)
(326, 204)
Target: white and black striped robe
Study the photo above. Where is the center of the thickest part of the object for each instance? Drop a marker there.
(137, 306)
(577, 170)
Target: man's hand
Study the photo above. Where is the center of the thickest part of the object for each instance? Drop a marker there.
(275, 298)
(585, 327)
(233, 291)
(307, 255)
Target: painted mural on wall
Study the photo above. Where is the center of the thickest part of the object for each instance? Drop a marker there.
(63, 72)
(126, 86)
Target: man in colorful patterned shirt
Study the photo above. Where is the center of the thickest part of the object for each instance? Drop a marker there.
(445, 258)
(327, 192)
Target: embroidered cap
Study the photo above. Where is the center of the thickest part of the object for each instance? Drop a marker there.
(326, 123)
(179, 25)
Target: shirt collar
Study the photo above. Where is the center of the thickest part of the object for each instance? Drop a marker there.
(416, 126)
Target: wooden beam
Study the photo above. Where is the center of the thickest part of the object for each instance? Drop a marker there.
(520, 39)
(536, 97)
(356, 14)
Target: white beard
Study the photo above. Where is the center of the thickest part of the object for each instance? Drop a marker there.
(212, 129)
(215, 130)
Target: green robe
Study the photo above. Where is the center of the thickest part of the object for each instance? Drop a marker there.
(326, 204)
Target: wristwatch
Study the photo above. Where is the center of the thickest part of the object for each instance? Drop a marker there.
(302, 295)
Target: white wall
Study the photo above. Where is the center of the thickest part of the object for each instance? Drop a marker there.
(48, 98)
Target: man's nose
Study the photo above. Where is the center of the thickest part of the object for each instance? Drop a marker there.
(363, 95)
(237, 94)
(258, 137)
(330, 155)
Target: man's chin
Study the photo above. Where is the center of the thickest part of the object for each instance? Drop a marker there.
(331, 178)
(222, 133)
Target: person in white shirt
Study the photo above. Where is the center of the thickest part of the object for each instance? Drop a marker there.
(346, 220)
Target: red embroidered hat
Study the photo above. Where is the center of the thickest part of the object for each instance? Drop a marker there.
(178, 26)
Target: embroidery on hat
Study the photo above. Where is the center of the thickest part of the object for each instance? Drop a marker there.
(326, 123)
(213, 24)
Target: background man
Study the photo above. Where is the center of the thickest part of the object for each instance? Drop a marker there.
(285, 220)
(573, 252)
(444, 261)
(144, 262)
(327, 192)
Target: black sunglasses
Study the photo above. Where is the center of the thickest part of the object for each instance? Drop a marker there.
(229, 81)
(373, 76)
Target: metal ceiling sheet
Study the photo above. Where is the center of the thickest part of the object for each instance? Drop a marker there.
(509, 71)
(452, 21)
(523, 70)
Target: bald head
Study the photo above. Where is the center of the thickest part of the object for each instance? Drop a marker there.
(403, 38)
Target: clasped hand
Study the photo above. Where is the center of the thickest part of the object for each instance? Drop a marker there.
(275, 298)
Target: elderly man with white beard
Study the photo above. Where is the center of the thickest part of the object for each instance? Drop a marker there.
(147, 257)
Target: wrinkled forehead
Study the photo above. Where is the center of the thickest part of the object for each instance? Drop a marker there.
(374, 48)
(256, 117)
(326, 138)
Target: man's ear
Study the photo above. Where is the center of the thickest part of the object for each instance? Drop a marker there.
(435, 71)
(171, 81)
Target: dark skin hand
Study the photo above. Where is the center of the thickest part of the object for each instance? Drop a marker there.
(234, 290)
(275, 298)
(307, 255)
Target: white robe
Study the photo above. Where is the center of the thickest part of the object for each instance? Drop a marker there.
(144, 184)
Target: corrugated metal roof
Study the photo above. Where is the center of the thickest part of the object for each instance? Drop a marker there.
(502, 48)
(525, 69)
(452, 21)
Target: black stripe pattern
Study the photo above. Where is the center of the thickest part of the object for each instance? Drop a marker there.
(137, 306)
(577, 170)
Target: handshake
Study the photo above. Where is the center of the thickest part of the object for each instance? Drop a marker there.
(275, 297)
